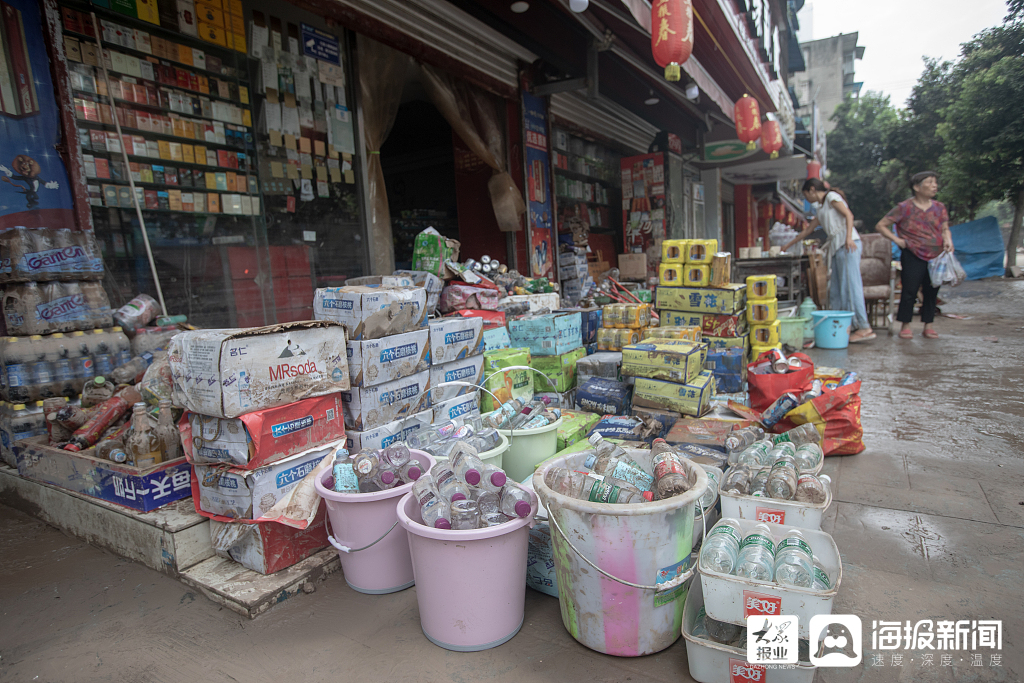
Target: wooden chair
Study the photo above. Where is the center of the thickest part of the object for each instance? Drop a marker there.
(878, 275)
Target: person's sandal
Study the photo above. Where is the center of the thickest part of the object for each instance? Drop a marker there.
(906, 334)
(930, 334)
(864, 337)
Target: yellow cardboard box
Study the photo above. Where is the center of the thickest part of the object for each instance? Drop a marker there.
(689, 399)
(724, 300)
(674, 360)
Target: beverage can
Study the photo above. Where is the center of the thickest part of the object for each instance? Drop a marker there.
(774, 413)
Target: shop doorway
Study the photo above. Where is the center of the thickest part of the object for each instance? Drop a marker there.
(418, 160)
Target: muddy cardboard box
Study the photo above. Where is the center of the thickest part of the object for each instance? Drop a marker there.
(375, 361)
(462, 406)
(688, 399)
(455, 339)
(370, 407)
(249, 494)
(673, 360)
(556, 373)
(371, 312)
(227, 373)
(469, 370)
(385, 435)
(707, 433)
(265, 436)
(727, 300)
(268, 547)
(551, 334)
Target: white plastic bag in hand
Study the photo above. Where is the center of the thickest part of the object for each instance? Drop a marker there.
(945, 269)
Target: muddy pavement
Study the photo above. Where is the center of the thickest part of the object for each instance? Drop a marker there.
(929, 521)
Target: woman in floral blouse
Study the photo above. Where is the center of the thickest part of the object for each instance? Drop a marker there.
(922, 232)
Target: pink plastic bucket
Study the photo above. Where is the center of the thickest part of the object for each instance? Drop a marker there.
(470, 585)
(372, 546)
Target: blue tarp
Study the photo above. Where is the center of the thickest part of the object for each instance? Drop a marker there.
(979, 247)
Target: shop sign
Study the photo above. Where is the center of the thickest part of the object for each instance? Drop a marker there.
(320, 45)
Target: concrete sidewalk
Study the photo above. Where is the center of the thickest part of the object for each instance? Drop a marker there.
(929, 520)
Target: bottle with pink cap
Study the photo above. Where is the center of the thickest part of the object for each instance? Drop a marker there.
(465, 463)
(433, 509)
(447, 484)
(514, 501)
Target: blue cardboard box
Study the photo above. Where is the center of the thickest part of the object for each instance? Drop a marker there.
(547, 335)
(590, 322)
(729, 366)
(604, 396)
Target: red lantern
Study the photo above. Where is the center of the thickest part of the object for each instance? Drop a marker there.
(748, 121)
(790, 219)
(814, 170)
(780, 212)
(671, 35)
(771, 138)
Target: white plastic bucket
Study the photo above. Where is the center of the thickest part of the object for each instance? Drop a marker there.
(775, 511)
(374, 552)
(734, 598)
(469, 584)
(712, 662)
(623, 570)
(528, 448)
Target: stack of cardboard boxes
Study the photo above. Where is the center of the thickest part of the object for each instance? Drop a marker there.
(457, 360)
(572, 271)
(264, 412)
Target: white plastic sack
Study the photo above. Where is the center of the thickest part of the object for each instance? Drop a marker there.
(944, 269)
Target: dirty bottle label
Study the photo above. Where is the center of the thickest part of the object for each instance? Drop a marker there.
(603, 493)
(633, 475)
(821, 577)
(667, 466)
(43, 373)
(725, 530)
(444, 478)
(758, 539)
(794, 543)
(17, 376)
(345, 477)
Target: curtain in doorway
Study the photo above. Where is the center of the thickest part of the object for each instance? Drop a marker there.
(382, 73)
(476, 117)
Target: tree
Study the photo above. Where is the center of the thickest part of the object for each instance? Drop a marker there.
(858, 152)
(983, 129)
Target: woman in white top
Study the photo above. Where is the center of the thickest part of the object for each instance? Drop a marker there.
(844, 249)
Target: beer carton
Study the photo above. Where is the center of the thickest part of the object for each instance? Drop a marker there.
(227, 373)
(249, 494)
(603, 396)
(375, 361)
(689, 399)
(468, 370)
(385, 435)
(673, 360)
(370, 407)
(462, 406)
(607, 364)
(371, 312)
(726, 300)
(455, 338)
(265, 436)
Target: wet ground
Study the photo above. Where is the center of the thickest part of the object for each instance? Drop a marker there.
(929, 521)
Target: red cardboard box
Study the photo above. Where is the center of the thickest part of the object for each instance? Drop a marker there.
(725, 325)
(708, 433)
(263, 437)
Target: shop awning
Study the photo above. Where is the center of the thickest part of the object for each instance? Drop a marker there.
(795, 207)
(769, 171)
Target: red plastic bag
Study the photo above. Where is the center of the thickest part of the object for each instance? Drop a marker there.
(765, 389)
(836, 415)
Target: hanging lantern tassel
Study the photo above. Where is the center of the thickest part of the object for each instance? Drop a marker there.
(671, 35)
(748, 121)
(771, 138)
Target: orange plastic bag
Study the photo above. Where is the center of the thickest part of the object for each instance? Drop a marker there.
(836, 416)
(766, 389)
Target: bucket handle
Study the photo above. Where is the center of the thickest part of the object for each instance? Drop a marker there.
(660, 588)
(345, 549)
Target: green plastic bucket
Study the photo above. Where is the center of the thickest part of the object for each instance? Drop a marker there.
(528, 448)
(791, 331)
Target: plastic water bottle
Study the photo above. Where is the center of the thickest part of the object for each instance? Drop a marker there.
(397, 454)
(808, 456)
(465, 464)
(755, 455)
(423, 490)
(821, 581)
(805, 433)
(624, 467)
(813, 489)
(503, 414)
(410, 471)
(345, 480)
(465, 515)
(365, 463)
(794, 561)
(737, 480)
(759, 484)
(424, 437)
(486, 500)
(386, 477)
(494, 519)
(447, 484)
(604, 447)
(783, 478)
(102, 353)
(756, 558)
(486, 439)
(436, 513)
(721, 547)
(714, 481)
(742, 438)
(492, 478)
(670, 475)
(514, 501)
